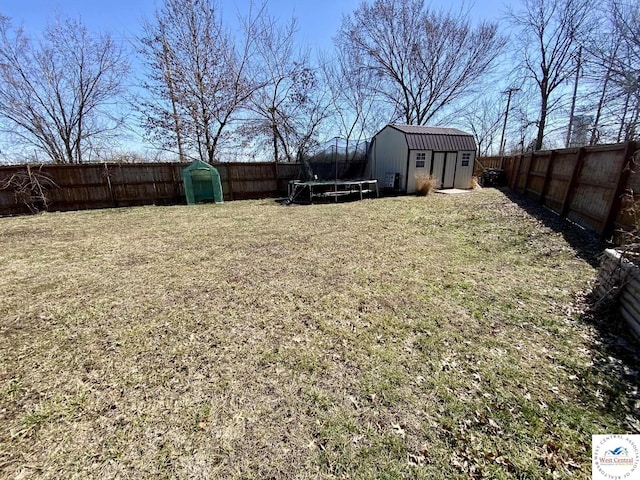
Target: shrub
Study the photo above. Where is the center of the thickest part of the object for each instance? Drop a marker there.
(425, 184)
(628, 237)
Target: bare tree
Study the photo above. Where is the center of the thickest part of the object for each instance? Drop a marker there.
(311, 108)
(289, 104)
(605, 91)
(162, 123)
(484, 122)
(426, 60)
(55, 95)
(197, 74)
(355, 111)
(549, 33)
(599, 75)
(626, 69)
(608, 97)
(526, 128)
(284, 72)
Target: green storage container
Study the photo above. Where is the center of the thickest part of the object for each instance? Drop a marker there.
(201, 183)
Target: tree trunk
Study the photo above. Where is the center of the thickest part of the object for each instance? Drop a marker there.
(596, 122)
(274, 132)
(543, 119)
(624, 116)
(172, 95)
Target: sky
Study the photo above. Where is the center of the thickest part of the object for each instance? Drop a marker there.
(318, 20)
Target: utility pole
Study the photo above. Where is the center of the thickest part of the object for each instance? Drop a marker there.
(509, 92)
(573, 100)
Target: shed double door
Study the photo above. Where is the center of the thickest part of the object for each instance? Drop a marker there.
(443, 168)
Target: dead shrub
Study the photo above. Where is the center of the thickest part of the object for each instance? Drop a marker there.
(425, 184)
(30, 188)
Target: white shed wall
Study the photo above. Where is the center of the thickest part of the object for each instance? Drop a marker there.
(390, 156)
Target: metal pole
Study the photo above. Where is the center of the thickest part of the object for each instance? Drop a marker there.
(335, 150)
(504, 125)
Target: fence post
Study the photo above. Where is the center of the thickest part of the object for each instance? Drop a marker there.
(623, 178)
(515, 173)
(528, 174)
(508, 166)
(547, 177)
(108, 177)
(154, 175)
(176, 168)
(229, 180)
(568, 194)
(275, 175)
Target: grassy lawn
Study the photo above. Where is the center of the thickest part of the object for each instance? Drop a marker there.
(436, 337)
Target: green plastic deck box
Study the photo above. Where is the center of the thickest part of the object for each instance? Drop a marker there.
(201, 183)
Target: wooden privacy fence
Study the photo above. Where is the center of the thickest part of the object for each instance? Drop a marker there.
(486, 162)
(104, 185)
(585, 184)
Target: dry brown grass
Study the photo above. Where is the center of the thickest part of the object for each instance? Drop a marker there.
(425, 184)
(402, 337)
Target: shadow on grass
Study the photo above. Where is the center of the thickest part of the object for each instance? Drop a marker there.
(584, 242)
(614, 376)
(615, 372)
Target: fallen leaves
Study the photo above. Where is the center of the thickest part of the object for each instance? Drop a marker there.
(556, 460)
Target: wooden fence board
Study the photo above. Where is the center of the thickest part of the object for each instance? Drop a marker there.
(524, 173)
(564, 163)
(589, 206)
(602, 167)
(555, 192)
(537, 176)
(481, 163)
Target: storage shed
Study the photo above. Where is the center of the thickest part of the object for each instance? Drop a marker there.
(401, 153)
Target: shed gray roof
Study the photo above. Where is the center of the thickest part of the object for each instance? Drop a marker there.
(436, 138)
